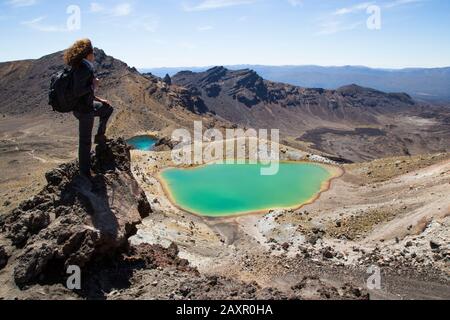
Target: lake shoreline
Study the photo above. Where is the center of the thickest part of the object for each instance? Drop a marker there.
(144, 142)
(335, 172)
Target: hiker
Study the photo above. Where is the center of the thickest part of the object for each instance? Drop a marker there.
(80, 57)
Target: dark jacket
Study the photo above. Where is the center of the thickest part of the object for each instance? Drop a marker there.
(83, 79)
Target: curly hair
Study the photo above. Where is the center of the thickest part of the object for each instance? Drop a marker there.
(77, 52)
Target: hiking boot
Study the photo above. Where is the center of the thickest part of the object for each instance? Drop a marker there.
(100, 139)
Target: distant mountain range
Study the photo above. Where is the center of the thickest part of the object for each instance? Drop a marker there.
(423, 84)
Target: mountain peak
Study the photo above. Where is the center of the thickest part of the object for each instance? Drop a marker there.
(216, 69)
(214, 74)
(355, 87)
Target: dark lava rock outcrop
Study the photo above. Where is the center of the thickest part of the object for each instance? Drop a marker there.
(167, 80)
(156, 256)
(313, 288)
(175, 96)
(75, 221)
(189, 99)
(3, 257)
(164, 144)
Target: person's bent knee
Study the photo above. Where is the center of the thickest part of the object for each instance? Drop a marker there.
(106, 110)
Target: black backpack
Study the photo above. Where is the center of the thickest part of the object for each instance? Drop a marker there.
(61, 96)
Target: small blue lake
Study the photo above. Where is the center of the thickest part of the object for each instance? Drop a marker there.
(143, 143)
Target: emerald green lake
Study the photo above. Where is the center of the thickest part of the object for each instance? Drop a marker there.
(232, 189)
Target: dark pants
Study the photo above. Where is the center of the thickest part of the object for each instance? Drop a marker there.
(86, 125)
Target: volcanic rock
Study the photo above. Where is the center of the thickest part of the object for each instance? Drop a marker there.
(155, 256)
(312, 287)
(3, 257)
(75, 221)
(167, 80)
(164, 144)
(435, 245)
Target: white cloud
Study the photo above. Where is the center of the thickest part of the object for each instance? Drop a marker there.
(216, 4)
(137, 22)
(21, 3)
(397, 3)
(356, 8)
(338, 21)
(39, 25)
(96, 7)
(364, 5)
(119, 10)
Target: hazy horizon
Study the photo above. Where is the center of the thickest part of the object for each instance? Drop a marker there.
(252, 64)
(293, 65)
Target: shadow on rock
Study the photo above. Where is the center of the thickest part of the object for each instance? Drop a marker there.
(97, 202)
(117, 274)
(73, 221)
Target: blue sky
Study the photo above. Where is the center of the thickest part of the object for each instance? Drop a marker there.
(163, 33)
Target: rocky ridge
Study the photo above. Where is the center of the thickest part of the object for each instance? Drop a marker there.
(247, 87)
(352, 122)
(74, 221)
